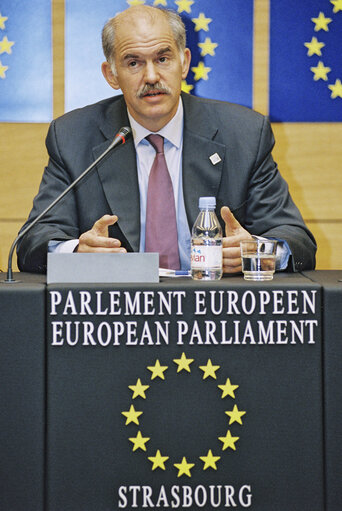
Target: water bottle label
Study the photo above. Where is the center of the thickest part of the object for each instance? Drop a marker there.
(204, 256)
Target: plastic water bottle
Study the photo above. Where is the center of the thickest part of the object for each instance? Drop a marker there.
(206, 243)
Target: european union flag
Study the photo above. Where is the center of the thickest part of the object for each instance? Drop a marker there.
(219, 34)
(25, 61)
(305, 61)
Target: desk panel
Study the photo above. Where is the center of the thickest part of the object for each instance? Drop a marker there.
(185, 395)
(22, 396)
(332, 363)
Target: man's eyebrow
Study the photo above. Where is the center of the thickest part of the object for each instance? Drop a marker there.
(128, 56)
(131, 56)
(164, 50)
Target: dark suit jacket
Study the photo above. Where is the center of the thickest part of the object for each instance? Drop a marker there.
(246, 178)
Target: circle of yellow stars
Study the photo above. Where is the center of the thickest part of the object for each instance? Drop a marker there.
(133, 415)
(201, 23)
(320, 72)
(5, 46)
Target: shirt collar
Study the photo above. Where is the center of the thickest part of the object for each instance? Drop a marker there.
(173, 131)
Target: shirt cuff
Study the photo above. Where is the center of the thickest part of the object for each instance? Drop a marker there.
(62, 247)
(283, 252)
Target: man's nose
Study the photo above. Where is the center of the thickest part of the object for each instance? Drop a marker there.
(151, 73)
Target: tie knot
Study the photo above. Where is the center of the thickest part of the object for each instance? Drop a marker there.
(157, 141)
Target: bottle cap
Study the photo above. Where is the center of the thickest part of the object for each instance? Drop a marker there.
(207, 202)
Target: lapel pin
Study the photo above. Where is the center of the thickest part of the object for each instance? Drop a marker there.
(214, 158)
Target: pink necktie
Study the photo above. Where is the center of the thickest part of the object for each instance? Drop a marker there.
(161, 225)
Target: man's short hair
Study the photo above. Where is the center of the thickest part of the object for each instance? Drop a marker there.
(109, 30)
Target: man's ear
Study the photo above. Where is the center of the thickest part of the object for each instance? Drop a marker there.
(109, 76)
(186, 63)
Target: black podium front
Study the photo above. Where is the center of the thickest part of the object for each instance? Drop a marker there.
(331, 282)
(185, 395)
(22, 394)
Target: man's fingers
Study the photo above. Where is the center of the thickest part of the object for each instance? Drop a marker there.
(91, 239)
(102, 250)
(101, 225)
(233, 263)
(231, 257)
(231, 253)
(232, 242)
(231, 260)
(232, 225)
(97, 239)
(89, 242)
(232, 269)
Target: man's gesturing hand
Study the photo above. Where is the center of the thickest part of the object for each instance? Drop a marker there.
(97, 240)
(231, 242)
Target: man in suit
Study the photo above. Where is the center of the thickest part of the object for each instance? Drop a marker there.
(212, 148)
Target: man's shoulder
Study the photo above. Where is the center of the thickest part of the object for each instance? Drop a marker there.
(89, 125)
(228, 123)
(89, 113)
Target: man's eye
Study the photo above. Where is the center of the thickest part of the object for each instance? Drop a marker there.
(162, 59)
(133, 63)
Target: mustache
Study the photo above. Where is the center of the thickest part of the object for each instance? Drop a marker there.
(149, 88)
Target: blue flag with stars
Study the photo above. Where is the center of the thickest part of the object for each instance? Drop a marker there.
(306, 61)
(219, 34)
(25, 61)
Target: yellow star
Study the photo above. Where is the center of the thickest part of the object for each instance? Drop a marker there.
(208, 47)
(2, 21)
(139, 442)
(201, 71)
(209, 370)
(228, 441)
(321, 23)
(186, 87)
(336, 89)
(320, 72)
(133, 3)
(3, 70)
(228, 389)
(139, 389)
(132, 415)
(314, 47)
(183, 363)
(235, 415)
(337, 5)
(184, 467)
(157, 370)
(160, 2)
(5, 46)
(158, 460)
(201, 23)
(210, 460)
(184, 5)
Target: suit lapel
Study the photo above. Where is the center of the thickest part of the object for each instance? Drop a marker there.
(118, 175)
(203, 158)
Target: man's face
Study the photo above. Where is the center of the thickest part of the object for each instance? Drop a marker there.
(149, 69)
